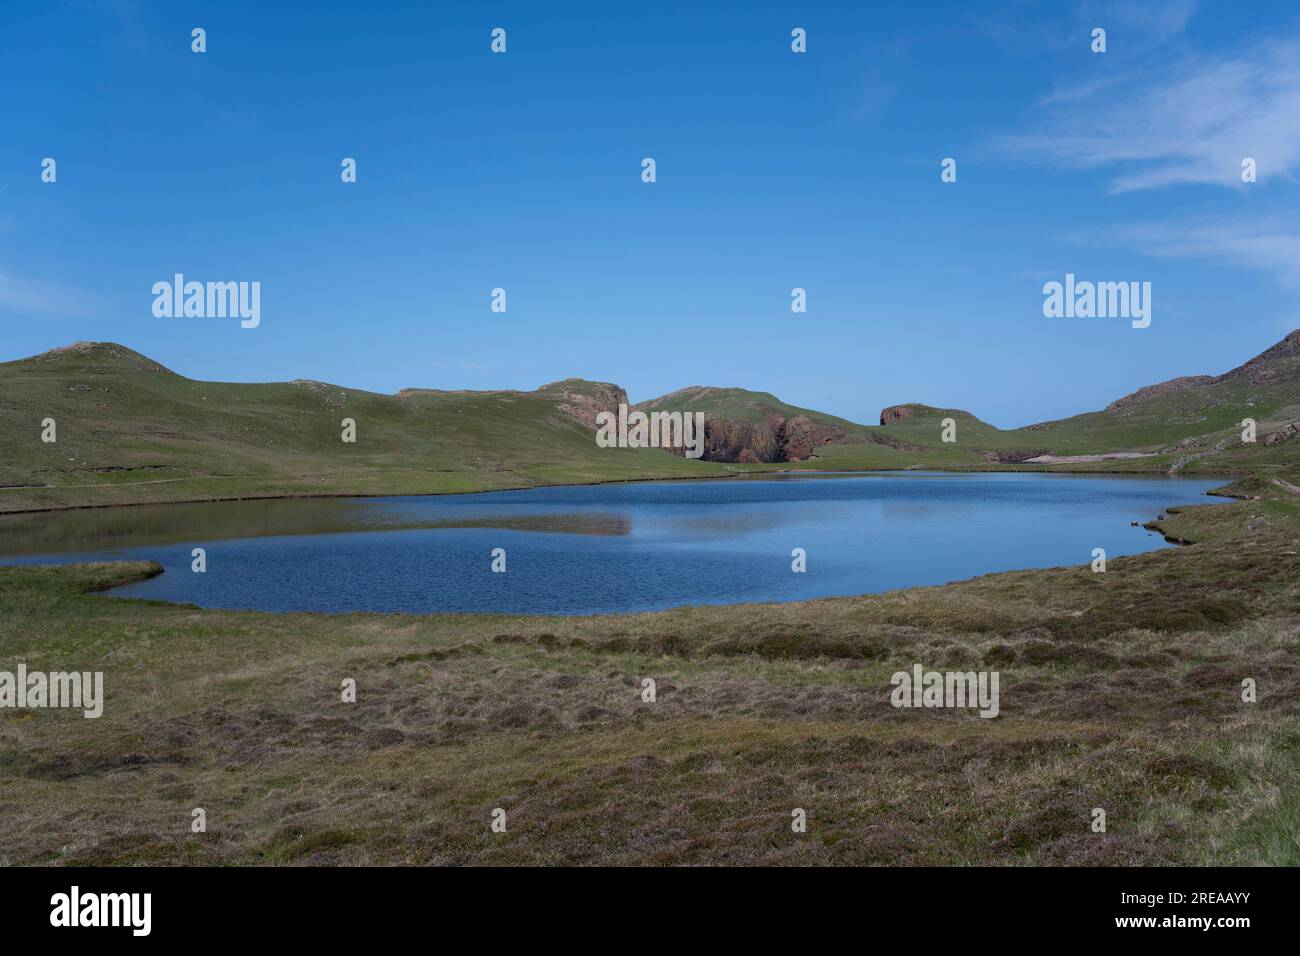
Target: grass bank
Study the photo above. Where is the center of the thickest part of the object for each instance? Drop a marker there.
(1119, 690)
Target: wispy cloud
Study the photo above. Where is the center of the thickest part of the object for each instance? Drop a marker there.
(1025, 28)
(1159, 22)
(1192, 120)
(1271, 245)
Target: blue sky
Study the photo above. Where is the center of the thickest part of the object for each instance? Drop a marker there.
(775, 170)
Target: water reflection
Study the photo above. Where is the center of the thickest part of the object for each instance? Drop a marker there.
(120, 529)
(590, 549)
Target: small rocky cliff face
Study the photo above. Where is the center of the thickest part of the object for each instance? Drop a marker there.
(799, 437)
(585, 400)
(895, 413)
(778, 439)
(728, 440)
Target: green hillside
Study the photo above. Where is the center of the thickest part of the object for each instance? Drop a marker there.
(742, 405)
(924, 427)
(1185, 426)
(129, 430)
(1267, 388)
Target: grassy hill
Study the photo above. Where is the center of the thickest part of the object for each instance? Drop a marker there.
(1267, 388)
(1187, 425)
(742, 405)
(130, 430)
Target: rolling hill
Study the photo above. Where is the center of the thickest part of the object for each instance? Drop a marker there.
(739, 404)
(757, 427)
(129, 430)
(1186, 425)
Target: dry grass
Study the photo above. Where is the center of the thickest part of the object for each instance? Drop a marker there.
(1119, 691)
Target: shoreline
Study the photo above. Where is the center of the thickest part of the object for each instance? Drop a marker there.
(757, 702)
(1228, 477)
(1155, 526)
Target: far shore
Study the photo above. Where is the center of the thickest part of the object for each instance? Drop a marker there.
(752, 470)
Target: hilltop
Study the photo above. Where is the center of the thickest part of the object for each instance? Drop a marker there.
(1189, 424)
(131, 430)
(757, 427)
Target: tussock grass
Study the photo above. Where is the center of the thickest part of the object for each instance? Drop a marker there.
(1119, 691)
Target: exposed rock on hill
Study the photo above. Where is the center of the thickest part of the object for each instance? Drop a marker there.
(778, 439)
(585, 400)
(744, 442)
(755, 427)
(1277, 364)
(798, 437)
(1161, 388)
(914, 413)
(1263, 367)
(1283, 434)
(895, 413)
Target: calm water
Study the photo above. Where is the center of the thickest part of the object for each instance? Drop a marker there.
(578, 550)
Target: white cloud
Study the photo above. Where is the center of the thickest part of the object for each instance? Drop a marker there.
(1255, 244)
(1188, 121)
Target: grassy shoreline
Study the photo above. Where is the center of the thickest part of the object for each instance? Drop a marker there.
(1119, 690)
(740, 471)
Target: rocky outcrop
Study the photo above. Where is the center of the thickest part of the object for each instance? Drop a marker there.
(585, 400)
(1161, 388)
(747, 442)
(895, 413)
(1283, 434)
(1266, 366)
(798, 437)
(776, 440)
